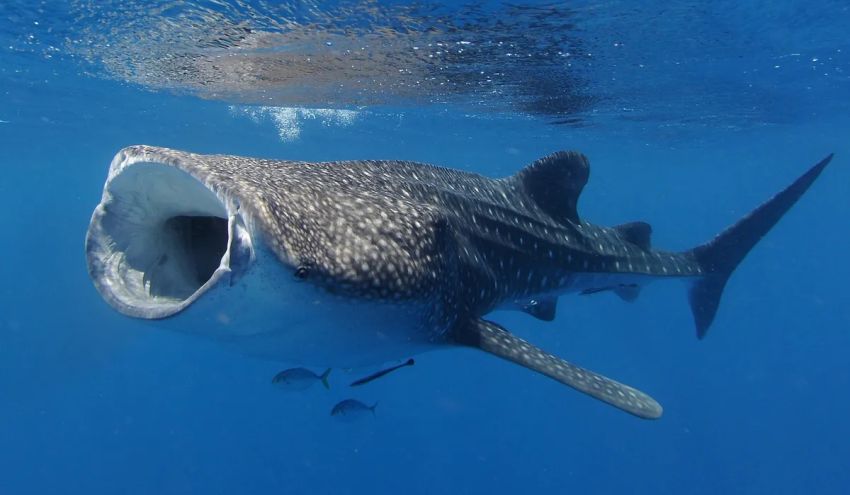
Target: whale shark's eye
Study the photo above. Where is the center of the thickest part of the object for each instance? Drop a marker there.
(302, 272)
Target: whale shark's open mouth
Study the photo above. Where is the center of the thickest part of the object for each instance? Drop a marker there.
(159, 238)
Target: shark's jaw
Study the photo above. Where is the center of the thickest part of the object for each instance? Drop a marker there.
(165, 245)
(160, 239)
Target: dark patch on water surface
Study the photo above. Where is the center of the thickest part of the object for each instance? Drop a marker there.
(491, 58)
(680, 67)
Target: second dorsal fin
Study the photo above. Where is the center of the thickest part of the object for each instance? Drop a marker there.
(555, 182)
(638, 233)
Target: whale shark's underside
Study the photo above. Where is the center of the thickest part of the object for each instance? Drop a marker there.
(359, 262)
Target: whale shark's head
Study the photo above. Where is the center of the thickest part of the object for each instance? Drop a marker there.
(239, 248)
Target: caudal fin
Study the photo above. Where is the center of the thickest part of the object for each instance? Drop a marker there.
(720, 256)
(324, 378)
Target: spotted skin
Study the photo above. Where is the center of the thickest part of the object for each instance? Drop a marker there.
(395, 231)
(492, 338)
(457, 244)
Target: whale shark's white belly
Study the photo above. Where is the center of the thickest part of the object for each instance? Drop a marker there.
(271, 314)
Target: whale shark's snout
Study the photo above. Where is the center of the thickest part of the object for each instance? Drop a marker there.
(161, 237)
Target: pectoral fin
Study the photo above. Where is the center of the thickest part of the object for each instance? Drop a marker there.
(492, 338)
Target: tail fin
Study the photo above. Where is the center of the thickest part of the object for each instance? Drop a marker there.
(324, 378)
(372, 408)
(720, 256)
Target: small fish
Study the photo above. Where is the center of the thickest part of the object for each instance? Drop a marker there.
(300, 379)
(378, 374)
(351, 409)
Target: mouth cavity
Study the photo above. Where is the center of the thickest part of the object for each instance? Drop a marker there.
(160, 238)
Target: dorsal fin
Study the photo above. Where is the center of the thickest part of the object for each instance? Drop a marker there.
(555, 182)
(638, 233)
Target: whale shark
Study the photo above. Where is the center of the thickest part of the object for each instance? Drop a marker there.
(353, 263)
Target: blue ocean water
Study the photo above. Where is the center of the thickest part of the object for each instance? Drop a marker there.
(691, 115)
